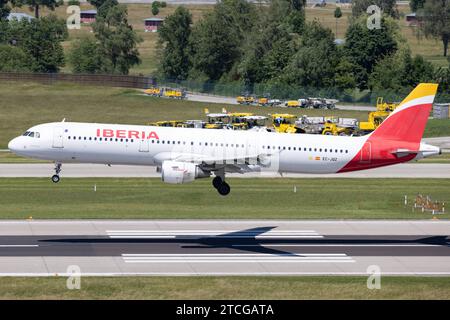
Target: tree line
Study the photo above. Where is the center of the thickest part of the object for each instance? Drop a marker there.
(35, 45)
(274, 45)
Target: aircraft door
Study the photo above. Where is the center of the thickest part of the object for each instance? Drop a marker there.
(143, 145)
(58, 137)
(366, 153)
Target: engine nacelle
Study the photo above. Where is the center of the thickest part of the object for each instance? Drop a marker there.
(181, 172)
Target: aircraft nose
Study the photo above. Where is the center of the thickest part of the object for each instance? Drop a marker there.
(13, 145)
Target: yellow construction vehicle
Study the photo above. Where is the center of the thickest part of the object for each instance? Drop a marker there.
(292, 103)
(334, 129)
(385, 106)
(174, 93)
(284, 122)
(263, 102)
(245, 99)
(377, 117)
(154, 92)
(167, 123)
(237, 117)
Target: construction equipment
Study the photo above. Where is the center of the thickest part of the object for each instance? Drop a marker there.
(167, 123)
(193, 124)
(245, 99)
(285, 123)
(292, 103)
(385, 106)
(238, 117)
(174, 93)
(263, 102)
(327, 125)
(217, 120)
(321, 103)
(377, 117)
(154, 92)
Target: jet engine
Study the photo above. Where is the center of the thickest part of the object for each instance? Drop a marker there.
(181, 172)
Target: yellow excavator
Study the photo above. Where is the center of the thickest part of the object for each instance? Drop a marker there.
(378, 116)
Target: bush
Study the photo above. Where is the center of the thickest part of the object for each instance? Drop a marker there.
(85, 57)
(13, 59)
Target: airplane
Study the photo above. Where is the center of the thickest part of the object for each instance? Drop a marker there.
(183, 155)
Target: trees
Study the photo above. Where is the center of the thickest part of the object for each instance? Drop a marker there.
(416, 5)
(40, 39)
(4, 9)
(217, 39)
(314, 64)
(37, 4)
(400, 72)
(13, 59)
(155, 9)
(364, 47)
(174, 37)
(85, 57)
(337, 15)
(435, 18)
(116, 39)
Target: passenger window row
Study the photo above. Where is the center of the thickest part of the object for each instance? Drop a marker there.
(100, 139)
(306, 149)
(330, 150)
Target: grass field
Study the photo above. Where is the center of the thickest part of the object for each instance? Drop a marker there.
(256, 198)
(23, 105)
(226, 288)
(431, 49)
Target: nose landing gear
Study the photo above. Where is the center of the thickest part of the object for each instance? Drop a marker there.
(55, 177)
(222, 187)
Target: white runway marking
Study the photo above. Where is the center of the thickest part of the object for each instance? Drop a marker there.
(237, 258)
(18, 245)
(336, 245)
(172, 234)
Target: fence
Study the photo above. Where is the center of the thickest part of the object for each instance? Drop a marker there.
(125, 81)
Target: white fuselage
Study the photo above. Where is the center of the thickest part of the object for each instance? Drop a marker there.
(148, 145)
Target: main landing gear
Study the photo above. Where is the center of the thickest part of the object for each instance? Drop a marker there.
(222, 187)
(55, 177)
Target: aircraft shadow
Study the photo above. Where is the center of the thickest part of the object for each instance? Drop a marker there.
(248, 241)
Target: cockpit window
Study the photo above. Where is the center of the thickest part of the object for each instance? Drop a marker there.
(37, 135)
(26, 133)
(31, 134)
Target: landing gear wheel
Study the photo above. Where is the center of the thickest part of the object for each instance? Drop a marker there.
(217, 181)
(55, 178)
(224, 189)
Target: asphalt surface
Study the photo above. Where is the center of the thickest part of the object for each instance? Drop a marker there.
(25, 170)
(223, 247)
(232, 100)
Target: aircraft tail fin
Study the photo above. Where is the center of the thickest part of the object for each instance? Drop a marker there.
(407, 122)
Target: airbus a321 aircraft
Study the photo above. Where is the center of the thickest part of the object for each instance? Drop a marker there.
(185, 154)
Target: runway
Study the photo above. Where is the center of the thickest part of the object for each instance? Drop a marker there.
(45, 170)
(224, 247)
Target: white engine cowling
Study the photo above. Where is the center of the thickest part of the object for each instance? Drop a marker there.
(181, 172)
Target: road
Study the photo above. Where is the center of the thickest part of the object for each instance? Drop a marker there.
(223, 247)
(232, 100)
(36, 170)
